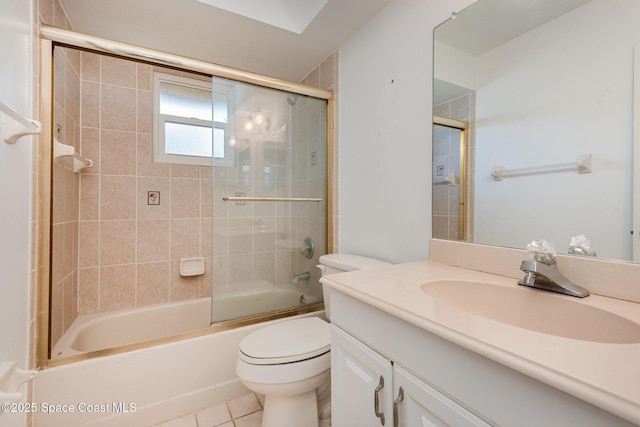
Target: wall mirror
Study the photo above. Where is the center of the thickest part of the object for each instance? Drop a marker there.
(544, 89)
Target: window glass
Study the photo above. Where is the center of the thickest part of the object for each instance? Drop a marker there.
(218, 143)
(187, 139)
(220, 103)
(185, 101)
(190, 122)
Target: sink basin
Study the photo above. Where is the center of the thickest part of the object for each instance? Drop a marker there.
(535, 310)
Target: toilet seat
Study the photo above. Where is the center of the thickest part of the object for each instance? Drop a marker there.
(286, 342)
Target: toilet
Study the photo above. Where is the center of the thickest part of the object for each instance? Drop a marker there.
(289, 362)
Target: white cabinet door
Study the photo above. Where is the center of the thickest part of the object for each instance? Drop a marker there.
(360, 377)
(420, 405)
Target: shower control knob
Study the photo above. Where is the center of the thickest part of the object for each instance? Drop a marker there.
(307, 248)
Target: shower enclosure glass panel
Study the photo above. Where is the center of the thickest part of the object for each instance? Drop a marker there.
(277, 141)
(122, 229)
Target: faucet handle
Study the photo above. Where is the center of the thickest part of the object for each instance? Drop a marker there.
(542, 251)
(308, 247)
(581, 245)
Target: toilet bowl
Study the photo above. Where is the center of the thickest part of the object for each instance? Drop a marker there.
(289, 362)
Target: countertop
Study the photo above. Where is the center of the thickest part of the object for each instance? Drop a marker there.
(606, 375)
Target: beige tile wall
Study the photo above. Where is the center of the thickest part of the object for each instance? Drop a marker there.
(325, 76)
(65, 189)
(129, 251)
(312, 222)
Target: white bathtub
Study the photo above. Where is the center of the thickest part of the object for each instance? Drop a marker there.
(155, 383)
(123, 327)
(263, 298)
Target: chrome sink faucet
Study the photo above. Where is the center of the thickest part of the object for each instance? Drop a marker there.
(544, 274)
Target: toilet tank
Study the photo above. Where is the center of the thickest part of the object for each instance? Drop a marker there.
(340, 263)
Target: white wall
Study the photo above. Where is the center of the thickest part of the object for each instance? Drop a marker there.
(16, 76)
(455, 66)
(556, 92)
(385, 131)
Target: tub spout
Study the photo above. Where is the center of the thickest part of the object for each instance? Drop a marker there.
(302, 276)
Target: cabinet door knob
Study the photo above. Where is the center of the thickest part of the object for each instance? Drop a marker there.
(396, 404)
(376, 400)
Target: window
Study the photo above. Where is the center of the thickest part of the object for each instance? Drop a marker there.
(189, 126)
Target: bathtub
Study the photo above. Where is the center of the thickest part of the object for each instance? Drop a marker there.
(149, 385)
(124, 327)
(264, 298)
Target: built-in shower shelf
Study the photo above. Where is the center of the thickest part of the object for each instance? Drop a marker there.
(15, 126)
(451, 179)
(11, 378)
(62, 152)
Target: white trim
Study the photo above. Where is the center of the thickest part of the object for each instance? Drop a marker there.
(636, 155)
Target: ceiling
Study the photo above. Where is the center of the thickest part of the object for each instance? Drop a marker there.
(490, 23)
(198, 30)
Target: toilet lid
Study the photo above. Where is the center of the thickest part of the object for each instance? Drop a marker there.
(349, 262)
(287, 341)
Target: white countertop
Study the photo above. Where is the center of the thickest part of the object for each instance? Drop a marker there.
(606, 375)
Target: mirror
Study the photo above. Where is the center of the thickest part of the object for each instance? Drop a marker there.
(542, 86)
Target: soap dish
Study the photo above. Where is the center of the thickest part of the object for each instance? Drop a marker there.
(191, 266)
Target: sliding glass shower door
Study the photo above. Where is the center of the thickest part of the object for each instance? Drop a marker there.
(269, 200)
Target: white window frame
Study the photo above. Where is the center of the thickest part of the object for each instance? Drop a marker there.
(159, 120)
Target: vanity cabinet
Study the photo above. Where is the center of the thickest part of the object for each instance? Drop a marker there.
(443, 383)
(359, 378)
(421, 405)
(376, 391)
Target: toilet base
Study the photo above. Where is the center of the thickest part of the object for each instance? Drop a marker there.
(291, 411)
(293, 404)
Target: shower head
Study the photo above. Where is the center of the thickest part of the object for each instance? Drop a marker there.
(291, 99)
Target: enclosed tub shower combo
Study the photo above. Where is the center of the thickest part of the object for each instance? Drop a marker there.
(185, 199)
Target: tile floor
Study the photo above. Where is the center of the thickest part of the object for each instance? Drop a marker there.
(244, 411)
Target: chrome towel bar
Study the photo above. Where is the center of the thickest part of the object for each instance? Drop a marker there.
(582, 165)
(271, 199)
